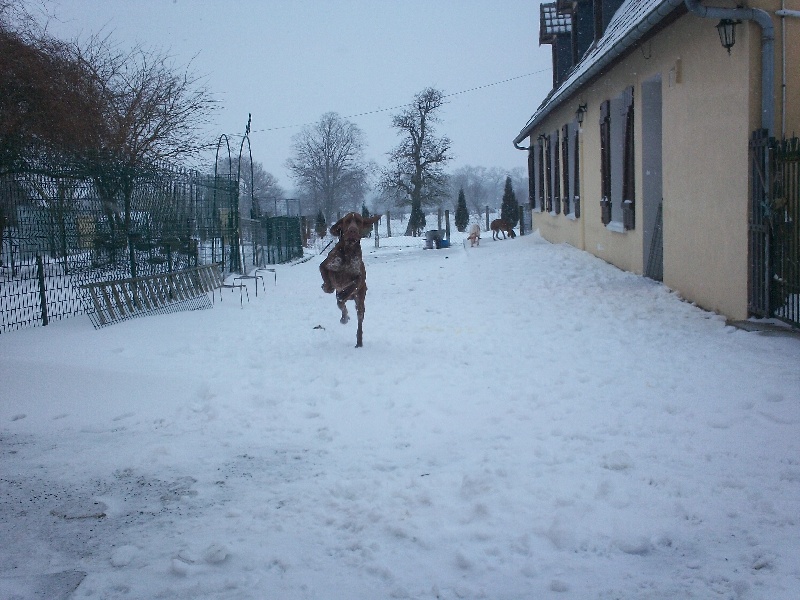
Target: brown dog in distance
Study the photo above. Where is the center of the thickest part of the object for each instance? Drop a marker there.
(501, 226)
(343, 270)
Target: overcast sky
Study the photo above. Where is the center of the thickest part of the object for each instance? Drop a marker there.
(289, 61)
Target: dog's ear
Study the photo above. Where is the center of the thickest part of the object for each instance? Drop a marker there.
(336, 228)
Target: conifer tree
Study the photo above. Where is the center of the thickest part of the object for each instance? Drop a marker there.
(367, 232)
(509, 210)
(462, 214)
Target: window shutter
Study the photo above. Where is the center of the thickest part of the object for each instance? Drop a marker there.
(540, 151)
(548, 167)
(576, 186)
(531, 178)
(557, 174)
(629, 170)
(605, 162)
(565, 165)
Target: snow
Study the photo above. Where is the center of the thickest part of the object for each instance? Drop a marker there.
(523, 421)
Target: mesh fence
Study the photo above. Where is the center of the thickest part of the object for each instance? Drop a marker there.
(60, 229)
(786, 233)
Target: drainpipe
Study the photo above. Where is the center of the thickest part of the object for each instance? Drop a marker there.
(783, 13)
(762, 18)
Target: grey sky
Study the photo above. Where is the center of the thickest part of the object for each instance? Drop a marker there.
(289, 61)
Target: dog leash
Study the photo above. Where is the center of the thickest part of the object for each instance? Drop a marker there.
(326, 247)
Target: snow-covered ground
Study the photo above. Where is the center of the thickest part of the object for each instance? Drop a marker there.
(524, 421)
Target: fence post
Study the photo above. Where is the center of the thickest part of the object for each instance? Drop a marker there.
(487, 217)
(521, 211)
(447, 224)
(388, 224)
(42, 294)
(377, 234)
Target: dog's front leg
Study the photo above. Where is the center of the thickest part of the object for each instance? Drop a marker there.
(343, 307)
(327, 284)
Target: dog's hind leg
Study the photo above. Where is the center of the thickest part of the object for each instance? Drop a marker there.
(360, 310)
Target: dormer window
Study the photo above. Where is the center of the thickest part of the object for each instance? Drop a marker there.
(555, 28)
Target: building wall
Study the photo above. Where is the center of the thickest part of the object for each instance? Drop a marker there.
(706, 182)
(708, 114)
(791, 26)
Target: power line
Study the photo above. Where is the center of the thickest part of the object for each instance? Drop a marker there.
(381, 110)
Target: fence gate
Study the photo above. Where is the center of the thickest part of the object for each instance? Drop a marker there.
(774, 228)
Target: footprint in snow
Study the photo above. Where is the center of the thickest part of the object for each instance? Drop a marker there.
(123, 556)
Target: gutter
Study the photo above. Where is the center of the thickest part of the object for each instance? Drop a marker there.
(761, 18)
(619, 48)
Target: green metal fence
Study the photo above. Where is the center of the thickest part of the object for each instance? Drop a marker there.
(60, 228)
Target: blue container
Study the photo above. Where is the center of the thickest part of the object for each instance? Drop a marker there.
(444, 244)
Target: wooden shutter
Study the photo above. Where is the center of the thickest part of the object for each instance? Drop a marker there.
(531, 178)
(628, 165)
(576, 185)
(557, 174)
(548, 167)
(605, 162)
(565, 166)
(540, 151)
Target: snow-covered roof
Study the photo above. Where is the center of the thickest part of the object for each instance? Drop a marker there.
(631, 23)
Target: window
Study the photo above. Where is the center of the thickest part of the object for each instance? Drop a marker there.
(617, 163)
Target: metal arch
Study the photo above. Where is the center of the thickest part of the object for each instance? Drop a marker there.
(250, 153)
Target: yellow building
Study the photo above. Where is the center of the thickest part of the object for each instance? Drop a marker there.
(656, 148)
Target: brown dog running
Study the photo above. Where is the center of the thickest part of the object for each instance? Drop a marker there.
(343, 270)
(501, 226)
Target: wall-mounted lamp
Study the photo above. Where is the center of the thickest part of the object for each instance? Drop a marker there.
(541, 137)
(580, 114)
(727, 33)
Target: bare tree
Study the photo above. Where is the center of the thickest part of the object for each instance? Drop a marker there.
(152, 111)
(478, 189)
(135, 107)
(416, 165)
(112, 112)
(266, 192)
(328, 164)
(49, 106)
